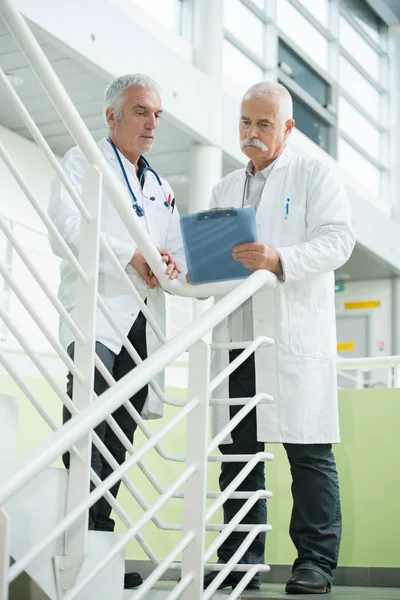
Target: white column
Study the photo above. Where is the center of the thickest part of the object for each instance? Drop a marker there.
(206, 161)
(396, 316)
(394, 53)
(271, 42)
(205, 172)
(208, 37)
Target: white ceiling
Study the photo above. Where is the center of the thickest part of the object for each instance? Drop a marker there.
(86, 90)
(364, 265)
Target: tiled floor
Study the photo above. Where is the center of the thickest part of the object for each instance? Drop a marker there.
(276, 592)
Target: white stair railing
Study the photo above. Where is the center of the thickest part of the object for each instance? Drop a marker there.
(365, 365)
(89, 417)
(74, 436)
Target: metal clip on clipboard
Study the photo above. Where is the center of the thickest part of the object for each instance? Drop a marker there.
(215, 213)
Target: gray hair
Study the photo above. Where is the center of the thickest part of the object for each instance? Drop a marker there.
(113, 96)
(277, 92)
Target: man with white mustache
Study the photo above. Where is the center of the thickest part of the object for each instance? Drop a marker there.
(304, 233)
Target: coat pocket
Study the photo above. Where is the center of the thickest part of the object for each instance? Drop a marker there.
(309, 329)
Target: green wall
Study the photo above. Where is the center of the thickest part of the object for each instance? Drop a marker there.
(368, 464)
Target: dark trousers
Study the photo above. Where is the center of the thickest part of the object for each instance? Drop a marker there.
(118, 365)
(315, 526)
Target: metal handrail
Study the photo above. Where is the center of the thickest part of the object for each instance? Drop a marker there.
(368, 363)
(114, 397)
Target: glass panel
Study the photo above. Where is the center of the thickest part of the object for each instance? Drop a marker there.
(319, 9)
(365, 17)
(359, 128)
(291, 22)
(358, 87)
(311, 124)
(163, 10)
(304, 75)
(240, 68)
(359, 167)
(244, 25)
(358, 48)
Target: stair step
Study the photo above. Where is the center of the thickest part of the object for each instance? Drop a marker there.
(162, 590)
(32, 520)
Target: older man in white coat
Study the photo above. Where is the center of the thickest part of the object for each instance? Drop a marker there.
(132, 110)
(304, 232)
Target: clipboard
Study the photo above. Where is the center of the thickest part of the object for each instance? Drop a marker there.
(208, 238)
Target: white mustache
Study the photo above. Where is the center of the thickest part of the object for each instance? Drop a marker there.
(253, 142)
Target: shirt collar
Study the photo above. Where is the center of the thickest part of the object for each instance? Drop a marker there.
(265, 172)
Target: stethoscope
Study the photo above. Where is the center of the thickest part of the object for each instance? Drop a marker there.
(168, 203)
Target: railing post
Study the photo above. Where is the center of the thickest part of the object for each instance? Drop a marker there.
(396, 376)
(196, 486)
(86, 305)
(4, 555)
(359, 379)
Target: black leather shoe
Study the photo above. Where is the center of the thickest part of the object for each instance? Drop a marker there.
(229, 581)
(306, 581)
(132, 580)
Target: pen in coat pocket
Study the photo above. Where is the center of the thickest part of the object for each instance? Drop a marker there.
(287, 208)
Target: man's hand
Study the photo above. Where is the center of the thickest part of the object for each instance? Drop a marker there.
(173, 269)
(255, 256)
(139, 263)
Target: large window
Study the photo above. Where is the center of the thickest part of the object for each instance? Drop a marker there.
(311, 97)
(311, 124)
(362, 94)
(359, 167)
(303, 33)
(243, 24)
(361, 90)
(319, 9)
(358, 48)
(301, 73)
(244, 43)
(332, 56)
(365, 17)
(239, 68)
(168, 12)
(359, 128)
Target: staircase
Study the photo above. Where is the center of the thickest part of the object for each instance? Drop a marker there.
(43, 509)
(35, 510)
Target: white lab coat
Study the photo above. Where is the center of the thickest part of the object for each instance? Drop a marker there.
(163, 226)
(314, 239)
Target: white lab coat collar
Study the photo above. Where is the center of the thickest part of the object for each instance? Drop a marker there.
(282, 161)
(108, 151)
